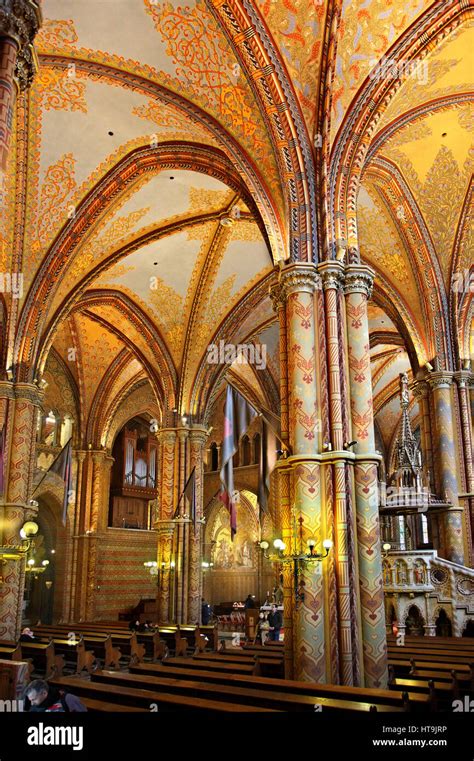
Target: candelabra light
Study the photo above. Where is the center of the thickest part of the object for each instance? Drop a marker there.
(298, 557)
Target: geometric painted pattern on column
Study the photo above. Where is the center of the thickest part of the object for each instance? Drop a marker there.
(370, 576)
(310, 658)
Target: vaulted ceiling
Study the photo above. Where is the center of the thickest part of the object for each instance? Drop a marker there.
(147, 191)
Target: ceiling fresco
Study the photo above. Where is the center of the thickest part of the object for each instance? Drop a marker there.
(178, 242)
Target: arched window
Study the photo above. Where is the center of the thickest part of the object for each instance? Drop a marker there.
(425, 537)
(50, 429)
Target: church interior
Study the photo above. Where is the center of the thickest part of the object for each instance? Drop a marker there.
(237, 353)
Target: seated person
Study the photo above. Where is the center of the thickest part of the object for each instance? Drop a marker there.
(27, 635)
(134, 625)
(43, 697)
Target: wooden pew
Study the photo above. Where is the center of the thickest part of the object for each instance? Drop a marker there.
(44, 658)
(172, 638)
(128, 642)
(251, 696)
(396, 699)
(145, 698)
(264, 666)
(191, 663)
(458, 643)
(102, 706)
(11, 652)
(451, 683)
(247, 652)
(104, 646)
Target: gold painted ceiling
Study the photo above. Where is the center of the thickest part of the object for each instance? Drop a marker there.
(149, 115)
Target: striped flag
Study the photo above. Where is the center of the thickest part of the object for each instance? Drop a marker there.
(238, 415)
(267, 462)
(62, 466)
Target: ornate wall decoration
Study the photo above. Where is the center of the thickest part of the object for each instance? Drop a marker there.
(57, 189)
(298, 30)
(362, 44)
(62, 92)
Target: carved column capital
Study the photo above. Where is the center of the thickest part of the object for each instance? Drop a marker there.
(198, 435)
(440, 379)
(166, 435)
(464, 378)
(29, 392)
(359, 279)
(80, 456)
(20, 20)
(299, 277)
(332, 275)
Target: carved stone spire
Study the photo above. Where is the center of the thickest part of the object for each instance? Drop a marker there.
(408, 464)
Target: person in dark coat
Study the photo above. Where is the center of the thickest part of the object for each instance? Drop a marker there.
(206, 612)
(41, 697)
(276, 622)
(27, 635)
(249, 602)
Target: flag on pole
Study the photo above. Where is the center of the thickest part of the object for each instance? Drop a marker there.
(267, 463)
(238, 415)
(2, 458)
(190, 493)
(62, 466)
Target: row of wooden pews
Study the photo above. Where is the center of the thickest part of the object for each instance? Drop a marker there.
(229, 680)
(441, 667)
(85, 646)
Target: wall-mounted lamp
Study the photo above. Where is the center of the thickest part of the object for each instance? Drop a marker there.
(386, 549)
(152, 566)
(348, 444)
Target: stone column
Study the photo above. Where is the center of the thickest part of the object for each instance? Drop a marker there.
(21, 403)
(298, 283)
(421, 392)
(358, 287)
(165, 526)
(446, 465)
(19, 23)
(100, 471)
(463, 379)
(71, 564)
(283, 481)
(182, 533)
(197, 441)
(332, 275)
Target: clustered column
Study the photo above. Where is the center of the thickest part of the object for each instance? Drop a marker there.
(463, 379)
(358, 285)
(441, 384)
(197, 442)
(20, 406)
(19, 23)
(332, 275)
(298, 283)
(164, 525)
